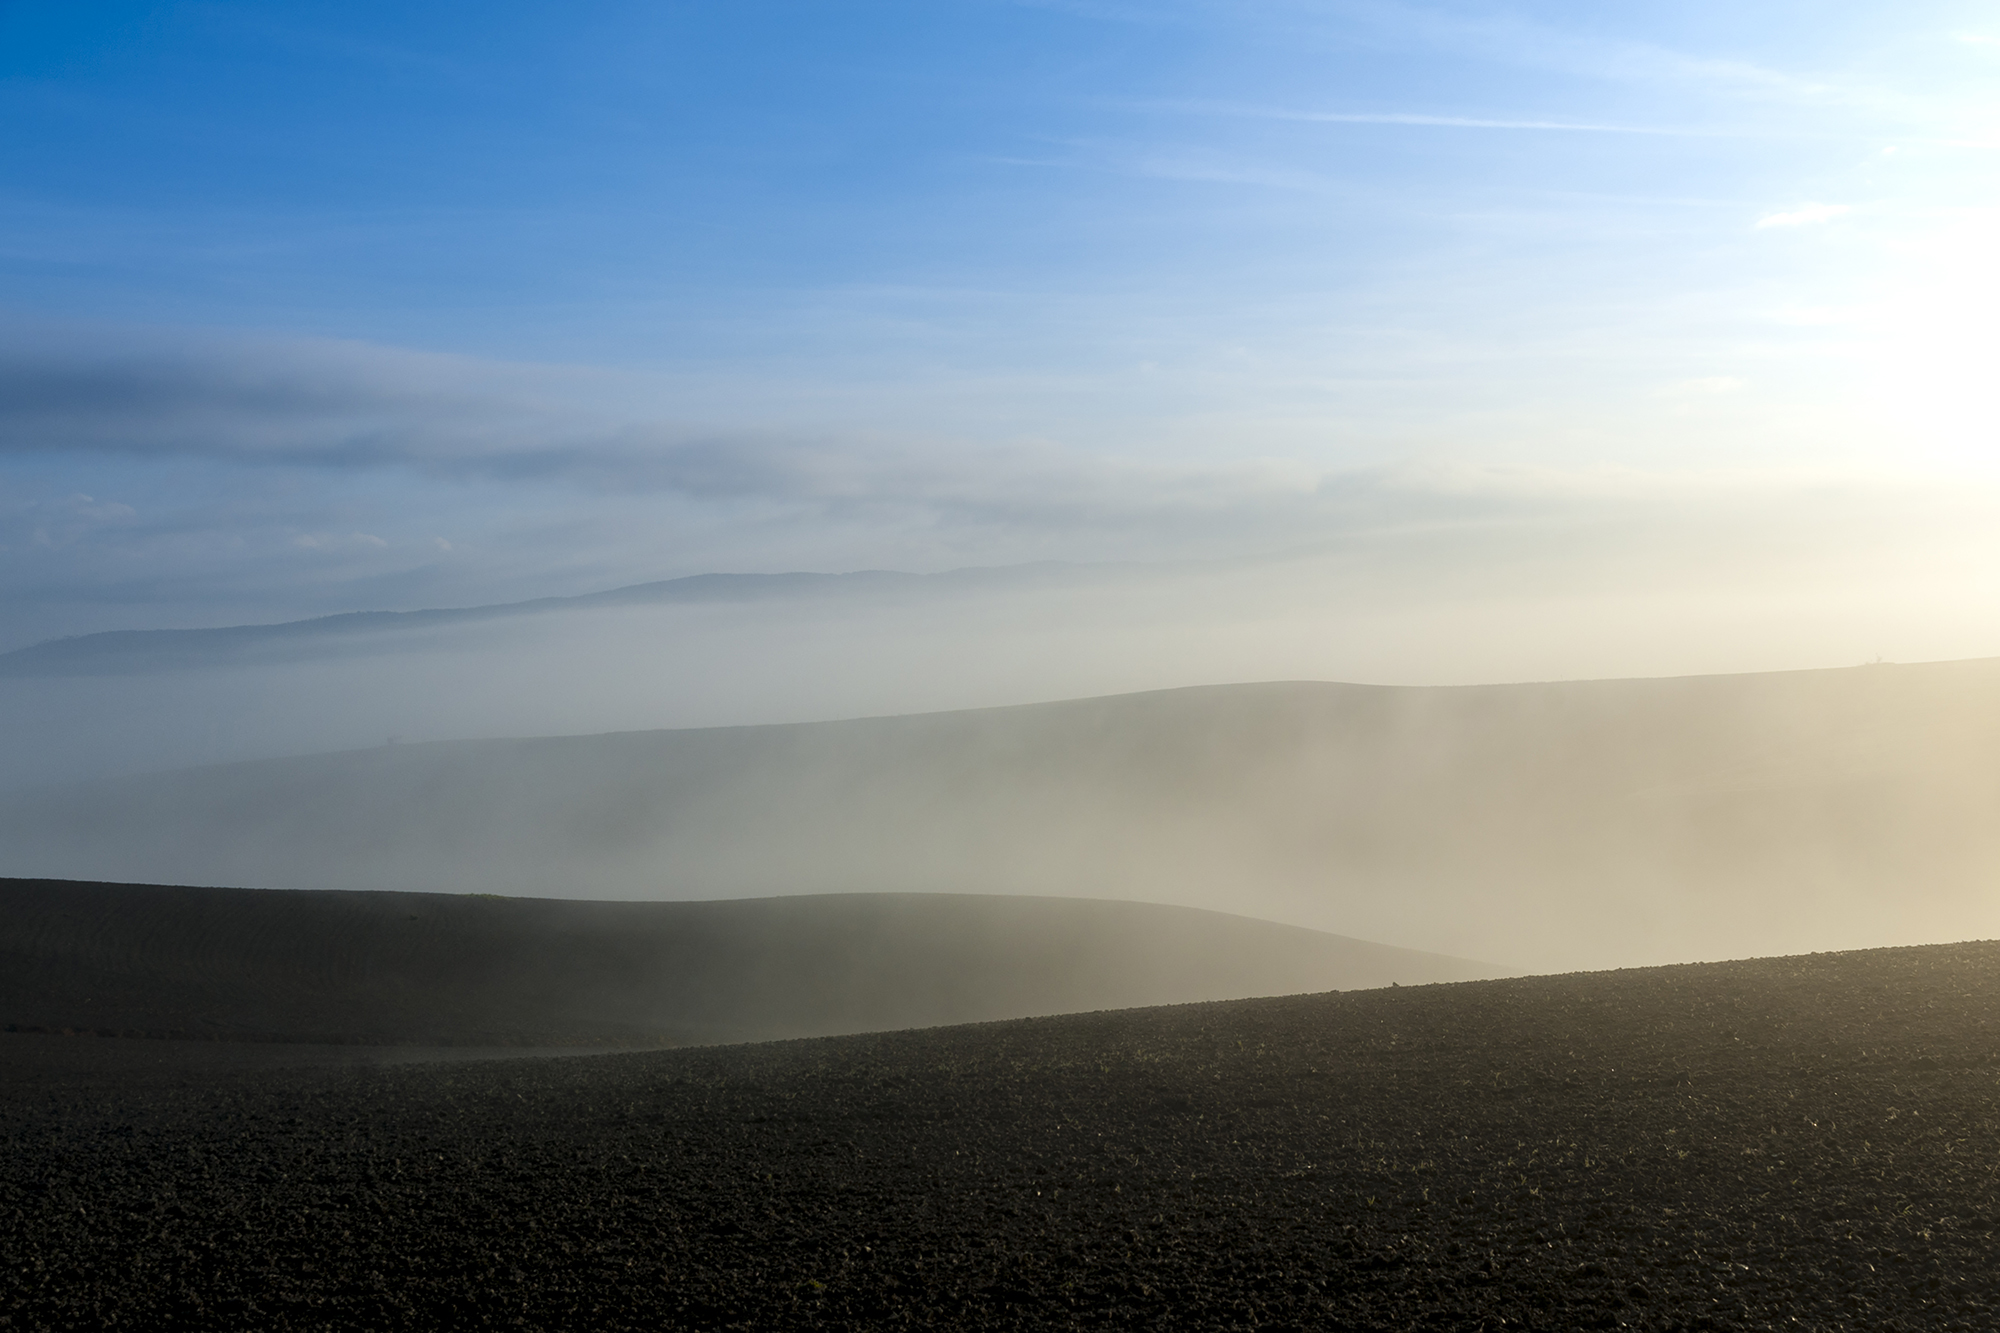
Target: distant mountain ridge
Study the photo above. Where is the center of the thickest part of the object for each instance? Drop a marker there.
(114, 652)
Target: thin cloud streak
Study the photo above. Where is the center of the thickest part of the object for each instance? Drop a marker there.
(279, 424)
(1525, 43)
(342, 410)
(1420, 120)
(346, 412)
(1424, 119)
(1809, 215)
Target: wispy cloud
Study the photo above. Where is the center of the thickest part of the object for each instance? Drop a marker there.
(345, 409)
(1809, 215)
(327, 541)
(1417, 119)
(1705, 386)
(59, 522)
(1515, 40)
(1491, 37)
(1185, 167)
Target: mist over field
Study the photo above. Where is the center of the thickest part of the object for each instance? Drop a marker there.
(1537, 827)
(1323, 738)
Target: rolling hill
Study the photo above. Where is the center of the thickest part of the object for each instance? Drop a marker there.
(245, 964)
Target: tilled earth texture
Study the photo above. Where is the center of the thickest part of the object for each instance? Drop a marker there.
(1799, 1143)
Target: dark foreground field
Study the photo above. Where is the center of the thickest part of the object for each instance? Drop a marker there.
(1799, 1143)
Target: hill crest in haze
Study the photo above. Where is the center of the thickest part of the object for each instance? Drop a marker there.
(125, 959)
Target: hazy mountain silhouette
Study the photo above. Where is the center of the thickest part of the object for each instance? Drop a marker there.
(118, 652)
(403, 967)
(1539, 826)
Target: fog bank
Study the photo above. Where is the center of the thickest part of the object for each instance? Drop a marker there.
(1544, 827)
(1599, 593)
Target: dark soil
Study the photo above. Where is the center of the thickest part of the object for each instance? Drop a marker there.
(1803, 1143)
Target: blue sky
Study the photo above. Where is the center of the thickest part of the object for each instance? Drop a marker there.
(318, 307)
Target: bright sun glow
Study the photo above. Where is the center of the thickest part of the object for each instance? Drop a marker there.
(1932, 343)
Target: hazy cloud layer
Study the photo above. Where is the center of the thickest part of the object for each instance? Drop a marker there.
(214, 482)
(330, 408)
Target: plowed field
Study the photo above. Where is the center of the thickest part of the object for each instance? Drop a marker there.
(1801, 1143)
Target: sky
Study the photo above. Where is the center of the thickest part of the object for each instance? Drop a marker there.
(308, 308)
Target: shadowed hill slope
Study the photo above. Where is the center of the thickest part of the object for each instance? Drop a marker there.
(1582, 824)
(440, 968)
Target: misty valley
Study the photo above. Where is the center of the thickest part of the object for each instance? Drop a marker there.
(952, 1020)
